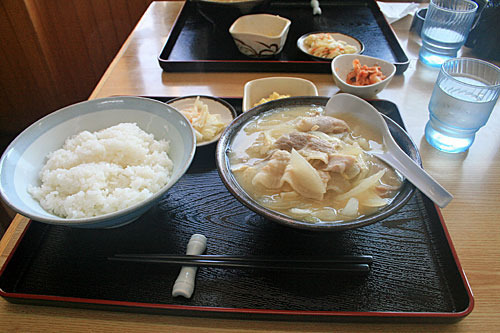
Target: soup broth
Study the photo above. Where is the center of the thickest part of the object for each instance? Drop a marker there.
(312, 167)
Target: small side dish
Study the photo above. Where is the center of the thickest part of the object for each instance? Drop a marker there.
(323, 45)
(208, 115)
(260, 35)
(205, 124)
(328, 45)
(266, 89)
(362, 75)
(272, 97)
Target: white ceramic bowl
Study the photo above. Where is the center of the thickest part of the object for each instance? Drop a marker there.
(24, 157)
(257, 89)
(337, 36)
(342, 65)
(215, 106)
(260, 35)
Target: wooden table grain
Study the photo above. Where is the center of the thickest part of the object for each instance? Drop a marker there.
(472, 177)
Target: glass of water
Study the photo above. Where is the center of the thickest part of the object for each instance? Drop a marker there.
(464, 95)
(446, 27)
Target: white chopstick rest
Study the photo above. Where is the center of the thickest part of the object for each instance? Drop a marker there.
(315, 7)
(184, 285)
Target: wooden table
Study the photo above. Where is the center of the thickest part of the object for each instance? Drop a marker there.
(473, 178)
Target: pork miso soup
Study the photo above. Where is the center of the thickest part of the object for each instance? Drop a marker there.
(312, 167)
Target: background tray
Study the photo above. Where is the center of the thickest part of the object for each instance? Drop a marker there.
(415, 274)
(195, 44)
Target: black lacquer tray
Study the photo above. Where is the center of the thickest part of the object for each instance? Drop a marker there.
(196, 44)
(416, 274)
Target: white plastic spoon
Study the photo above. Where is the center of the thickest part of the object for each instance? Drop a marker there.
(393, 154)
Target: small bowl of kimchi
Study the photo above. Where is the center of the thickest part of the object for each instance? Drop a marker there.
(362, 75)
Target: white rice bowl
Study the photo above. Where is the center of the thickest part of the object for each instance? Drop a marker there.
(24, 158)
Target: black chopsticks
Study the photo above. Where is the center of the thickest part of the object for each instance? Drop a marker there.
(347, 263)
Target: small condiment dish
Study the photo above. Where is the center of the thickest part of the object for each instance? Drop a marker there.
(260, 35)
(356, 43)
(256, 90)
(343, 65)
(215, 106)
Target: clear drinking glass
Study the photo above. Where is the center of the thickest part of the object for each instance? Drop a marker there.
(464, 95)
(446, 27)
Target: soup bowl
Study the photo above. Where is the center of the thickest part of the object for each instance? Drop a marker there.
(221, 13)
(225, 147)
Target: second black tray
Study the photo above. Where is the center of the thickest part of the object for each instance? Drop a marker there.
(197, 45)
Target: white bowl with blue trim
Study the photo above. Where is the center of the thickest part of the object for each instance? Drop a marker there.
(24, 157)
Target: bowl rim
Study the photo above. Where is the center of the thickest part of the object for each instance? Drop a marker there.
(251, 83)
(100, 219)
(234, 2)
(300, 44)
(279, 18)
(225, 104)
(385, 81)
(223, 147)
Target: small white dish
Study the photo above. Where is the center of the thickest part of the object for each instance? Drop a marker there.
(342, 65)
(258, 89)
(260, 35)
(215, 106)
(356, 43)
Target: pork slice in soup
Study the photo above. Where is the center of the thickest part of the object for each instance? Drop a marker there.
(312, 167)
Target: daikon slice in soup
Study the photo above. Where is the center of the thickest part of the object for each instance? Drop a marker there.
(312, 167)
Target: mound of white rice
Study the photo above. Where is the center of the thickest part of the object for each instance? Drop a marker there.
(103, 172)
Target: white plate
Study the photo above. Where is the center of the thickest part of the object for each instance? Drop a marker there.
(215, 106)
(337, 36)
